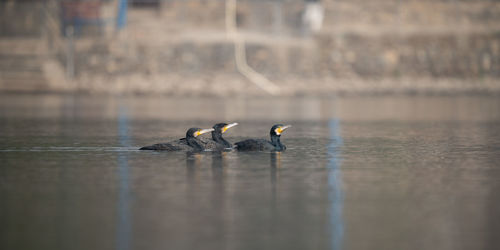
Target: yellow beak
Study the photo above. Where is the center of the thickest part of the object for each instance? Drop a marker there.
(228, 127)
(203, 131)
(280, 130)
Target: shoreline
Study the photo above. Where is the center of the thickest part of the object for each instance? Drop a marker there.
(234, 85)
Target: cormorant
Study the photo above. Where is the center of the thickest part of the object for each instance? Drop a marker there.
(191, 142)
(217, 143)
(264, 145)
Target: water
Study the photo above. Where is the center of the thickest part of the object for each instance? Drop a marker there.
(359, 173)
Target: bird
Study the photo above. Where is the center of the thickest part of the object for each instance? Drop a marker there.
(264, 145)
(192, 143)
(217, 143)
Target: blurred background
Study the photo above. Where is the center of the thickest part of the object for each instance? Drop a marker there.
(223, 47)
(394, 107)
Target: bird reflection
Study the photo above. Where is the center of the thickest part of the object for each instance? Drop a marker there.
(275, 160)
(219, 168)
(219, 163)
(196, 160)
(193, 162)
(275, 166)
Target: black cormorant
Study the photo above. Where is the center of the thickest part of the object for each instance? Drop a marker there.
(217, 143)
(191, 142)
(264, 145)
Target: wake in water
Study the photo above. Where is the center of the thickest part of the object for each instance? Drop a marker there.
(59, 149)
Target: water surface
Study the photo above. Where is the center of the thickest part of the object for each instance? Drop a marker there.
(359, 173)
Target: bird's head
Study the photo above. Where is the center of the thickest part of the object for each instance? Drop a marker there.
(278, 129)
(194, 132)
(223, 127)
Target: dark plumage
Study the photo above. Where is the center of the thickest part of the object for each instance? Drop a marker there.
(190, 142)
(264, 145)
(217, 143)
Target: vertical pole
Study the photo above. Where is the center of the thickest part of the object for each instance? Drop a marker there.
(121, 19)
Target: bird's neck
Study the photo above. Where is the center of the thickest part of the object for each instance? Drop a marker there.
(275, 140)
(218, 138)
(194, 143)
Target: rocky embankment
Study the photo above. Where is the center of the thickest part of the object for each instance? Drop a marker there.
(382, 46)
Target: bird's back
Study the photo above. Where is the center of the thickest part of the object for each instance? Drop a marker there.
(254, 145)
(163, 147)
(176, 145)
(208, 144)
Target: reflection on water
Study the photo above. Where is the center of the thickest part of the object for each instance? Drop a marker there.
(124, 227)
(335, 185)
(358, 173)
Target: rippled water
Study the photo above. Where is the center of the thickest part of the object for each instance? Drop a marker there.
(359, 173)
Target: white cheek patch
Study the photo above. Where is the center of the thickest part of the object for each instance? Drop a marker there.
(277, 131)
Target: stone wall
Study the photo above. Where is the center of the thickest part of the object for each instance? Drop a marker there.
(379, 38)
(31, 24)
(415, 55)
(183, 44)
(349, 55)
